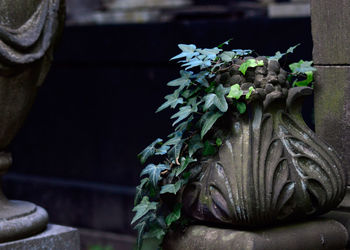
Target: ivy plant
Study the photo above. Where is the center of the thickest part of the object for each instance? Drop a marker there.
(200, 102)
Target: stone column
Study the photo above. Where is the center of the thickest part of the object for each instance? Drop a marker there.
(331, 54)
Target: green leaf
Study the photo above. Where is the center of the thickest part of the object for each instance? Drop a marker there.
(217, 99)
(291, 49)
(153, 171)
(279, 55)
(194, 145)
(143, 208)
(225, 43)
(184, 164)
(250, 63)
(175, 151)
(162, 150)
(140, 227)
(183, 114)
(139, 190)
(155, 232)
(188, 51)
(302, 67)
(242, 52)
(307, 81)
(148, 151)
(208, 149)
(210, 53)
(201, 78)
(171, 188)
(209, 122)
(174, 216)
(172, 101)
(218, 142)
(241, 107)
(193, 63)
(235, 92)
(181, 82)
(227, 56)
(250, 91)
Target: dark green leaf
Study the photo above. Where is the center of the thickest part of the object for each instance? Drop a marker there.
(153, 171)
(209, 122)
(143, 208)
(224, 43)
(174, 216)
(183, 113)
(140, 227)
(155, 232)
(139, 191)
(162, 150)
(184, 164)
(217, 99)
(201, 78)
(172, 101)
(148, 151)
(241, 107)
(194, 144)
(175, 151)
(208, 149)
(235, 92)
(171, 188)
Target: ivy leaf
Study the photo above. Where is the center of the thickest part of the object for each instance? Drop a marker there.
(209, 122)
(235, 92)
(174, 216)
(181, 82)
(143, 208)
(194, 145)
(140, 227)
(162, 150)
(217, 99)
(279, 55)
(139, 190)
(188, 51)
(155, 232)
(250, 63)
(241, 107)
(148, 151)
(172, 100)
(193, 63)
(291, 49)
(242, 52)
(218, 142)
(307, 81)
(175, 151)
(250, 91)
(201, 78)
(302, 67)
(153, 171)
(209, 53)
(184, 163)
(227, 56)
(208, 149)
(171, 188)
(183, 114)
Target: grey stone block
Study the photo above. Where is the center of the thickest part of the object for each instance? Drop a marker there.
(332, 109)
(331, 31)
(55, 237)
(313, 235)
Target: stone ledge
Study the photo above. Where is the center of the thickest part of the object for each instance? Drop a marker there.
(313, 235)
(55, 237)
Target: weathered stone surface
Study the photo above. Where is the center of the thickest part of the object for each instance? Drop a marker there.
(332, 109)
(331, 31)
(314, 235)
(55, 237)
(342, 217)
(271, 168)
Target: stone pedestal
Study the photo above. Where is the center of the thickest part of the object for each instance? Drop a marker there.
(55, 237)
(314, 235)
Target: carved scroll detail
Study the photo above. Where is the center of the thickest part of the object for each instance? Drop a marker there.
(271, 168)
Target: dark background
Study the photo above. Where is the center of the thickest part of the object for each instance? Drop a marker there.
(76, 153)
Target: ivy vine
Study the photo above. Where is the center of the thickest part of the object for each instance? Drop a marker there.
(201, 101)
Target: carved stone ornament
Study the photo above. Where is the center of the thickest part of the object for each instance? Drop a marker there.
(28, 30)
(271, 168)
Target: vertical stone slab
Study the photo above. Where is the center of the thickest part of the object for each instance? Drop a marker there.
(331, 35)
(331, 31)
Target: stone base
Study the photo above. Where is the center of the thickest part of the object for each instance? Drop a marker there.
(312, 235)
(55, 237)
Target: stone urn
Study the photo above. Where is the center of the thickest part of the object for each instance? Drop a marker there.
(271, 167)
(28, 30)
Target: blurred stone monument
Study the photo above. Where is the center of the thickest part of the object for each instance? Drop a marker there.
(28, 32)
